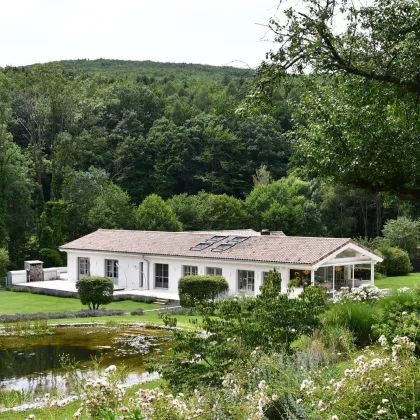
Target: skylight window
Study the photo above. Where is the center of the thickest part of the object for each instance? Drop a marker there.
(223, 247)
(200, 246)
(238, 239)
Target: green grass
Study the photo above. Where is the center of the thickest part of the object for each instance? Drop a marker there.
(28, 303)
(66, 412)
(18, 302)
(394, 283)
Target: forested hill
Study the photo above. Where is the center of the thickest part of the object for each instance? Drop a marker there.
(142, 145)
(153, 69)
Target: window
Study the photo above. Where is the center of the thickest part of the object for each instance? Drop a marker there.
(162, 276)
(189, 270)
(213, 271)
(246, 280)
(111, 270)
(84, 267)
(141, 273)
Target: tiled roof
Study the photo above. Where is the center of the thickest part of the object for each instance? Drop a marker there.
(270, 248)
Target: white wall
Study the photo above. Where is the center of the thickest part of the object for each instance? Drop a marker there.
(19, 276)
(129, 275)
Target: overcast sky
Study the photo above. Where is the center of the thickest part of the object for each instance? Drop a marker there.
(214, 32)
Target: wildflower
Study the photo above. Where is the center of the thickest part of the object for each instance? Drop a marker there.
(322, 406)
(274, 397)
(298, 401)
(382, 411)
(384, 401)
(111, 368)
(261, 385)
(382, 340)
(334, 417)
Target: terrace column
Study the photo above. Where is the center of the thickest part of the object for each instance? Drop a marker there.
(333, 287)
(313, 277)
(372, 273)
(352, 276)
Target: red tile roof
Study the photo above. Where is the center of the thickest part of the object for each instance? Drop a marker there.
(270, 248)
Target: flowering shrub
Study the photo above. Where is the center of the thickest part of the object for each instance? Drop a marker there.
(102, 396)
(380, 384)
(364, 293)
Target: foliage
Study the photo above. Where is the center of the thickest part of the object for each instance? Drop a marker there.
(386, 375)
(51, 257)
(359, 106)
(95, 291)
(403, 233)
(364, 293)
(357, 317)
(284, 205)
(233, 327)
(396, 262)
(154, 214)
(198, 290)
(399, 315)
(4, 262)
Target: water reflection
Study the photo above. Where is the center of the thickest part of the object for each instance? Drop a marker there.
(33, 363)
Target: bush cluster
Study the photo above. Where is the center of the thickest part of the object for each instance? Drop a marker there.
(196, 290)
(396, 261)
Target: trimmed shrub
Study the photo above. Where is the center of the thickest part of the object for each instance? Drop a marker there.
(195, 290)
(396, 262)
(95, 291)
(137, 311)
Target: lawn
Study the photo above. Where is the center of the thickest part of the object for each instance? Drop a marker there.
(18, 302)
(394, 283)
(28, 303)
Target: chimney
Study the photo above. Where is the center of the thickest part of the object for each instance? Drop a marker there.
(265, 232)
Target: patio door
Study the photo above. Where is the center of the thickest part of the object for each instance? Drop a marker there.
(83, 267)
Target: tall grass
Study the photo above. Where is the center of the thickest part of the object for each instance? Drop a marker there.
(357, 317)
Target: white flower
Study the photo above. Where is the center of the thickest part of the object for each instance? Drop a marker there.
(111, 368)
(384, 401)
(334, 417)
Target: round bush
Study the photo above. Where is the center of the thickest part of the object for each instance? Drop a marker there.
(194, 290)
(396, 261)
(95, 291)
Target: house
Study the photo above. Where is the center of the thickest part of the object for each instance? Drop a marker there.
(153, 262)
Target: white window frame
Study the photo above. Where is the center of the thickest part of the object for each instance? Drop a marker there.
(246, 280)
(112, 270)
(85, 262)
(162, 276)
(214, 271)
(189, 270)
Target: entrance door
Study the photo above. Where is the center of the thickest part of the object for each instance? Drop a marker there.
(83, 267)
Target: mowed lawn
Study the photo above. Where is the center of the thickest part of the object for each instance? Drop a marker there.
(29, 303)
(394, 283)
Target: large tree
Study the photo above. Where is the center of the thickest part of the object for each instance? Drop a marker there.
(359, 124)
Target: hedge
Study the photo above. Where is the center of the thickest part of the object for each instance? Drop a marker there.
(396, 261)
(195, 290)
(95, 291)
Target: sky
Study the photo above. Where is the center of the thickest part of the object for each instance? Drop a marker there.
(217, 32)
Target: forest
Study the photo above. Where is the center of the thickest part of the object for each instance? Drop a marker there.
(91, 144)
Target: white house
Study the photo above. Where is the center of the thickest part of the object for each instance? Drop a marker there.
(153, 262)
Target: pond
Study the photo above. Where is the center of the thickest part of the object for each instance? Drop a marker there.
(33, 363)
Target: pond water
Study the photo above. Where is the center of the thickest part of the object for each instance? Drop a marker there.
(33, 363)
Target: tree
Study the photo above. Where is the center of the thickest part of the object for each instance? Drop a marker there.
(284, 205)
(403, 233)
(112, 210)
(95, 291)
(4, 262)
(154, 214)
(359, 127)
(360, 134)
(205, 211)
